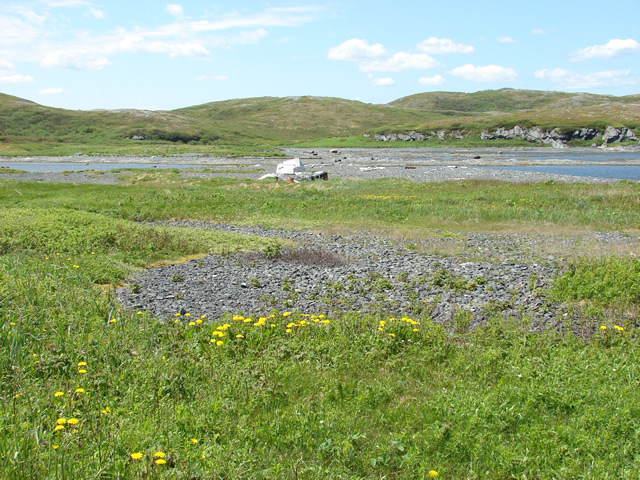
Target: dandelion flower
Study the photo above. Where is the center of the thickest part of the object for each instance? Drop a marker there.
(619, 328)
(191, 324)
(239, 336)
(61, 421)
(433, 473)
(187, 314)
(55, 447)
(58, 428)
(139, 313)
(136, 456)
(82, 371)
(58, 394)
(199, 321)
(113, 320)
(158, 455)
(72, 421)
(219, 343)
(288, 330)
(82, 364)
(603, 327)
(80, 390)
(178, 314)
(286, 314)
(194, 441)
(160, 461)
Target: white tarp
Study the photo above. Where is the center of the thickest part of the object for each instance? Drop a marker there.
(290, 167)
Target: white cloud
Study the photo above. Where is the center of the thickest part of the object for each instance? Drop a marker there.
(15, 31)
(436, 46)
(355, 49)
(6, 64)
(506, 39)
(486, 73)
(612, 48)
(218, 78)
(51, 91)
(573, 80)
(76, 60)
(401, 61)
(432, 81)
(175, 9)
(97, 14)
(538, 31)
(65, 3)
(381, 82)
(4, 78)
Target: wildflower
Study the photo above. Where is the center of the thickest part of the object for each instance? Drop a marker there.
(194, 441)
(433, 473)
(13, 324)
(160, 461)
(286, 314)
(17, 396)
(82, 371)
(82, 364)
(603, 328)
(415, 330)
(158, 455)
(72, 421)
(113, 320)
(80, 390)
(178, 314)
(191, 324)
(392, 335)
(55, 447)
(136, 456)
(199, 321)
(58, 394)
(619, 328)
(75, 266)
(187, 314)
(218, 333)
(58, 428)
(325, 321)
(139, 313)
(61, 421)
(239, 336)
(219, 343)
(288, 330)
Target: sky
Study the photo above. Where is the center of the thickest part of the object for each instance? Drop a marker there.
(157, 55)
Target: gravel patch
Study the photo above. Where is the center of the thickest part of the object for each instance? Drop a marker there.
(497, 274)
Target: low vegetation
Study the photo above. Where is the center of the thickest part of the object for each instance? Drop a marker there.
(90, 390)
(261, 125)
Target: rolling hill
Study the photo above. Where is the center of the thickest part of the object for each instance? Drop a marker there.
(27, 127)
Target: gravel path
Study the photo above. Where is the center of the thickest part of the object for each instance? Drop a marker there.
(495, 274)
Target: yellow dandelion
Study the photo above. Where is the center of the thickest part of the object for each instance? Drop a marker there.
(286, 314)
(433, 473)
(194, 441)
(392, 335)
(80, 390)
(136, 456)
(82, 371)
(158, 455)
(619, 328)
(191, 324)
(288, 330)
(139, 313)
(55, 447)
(178, 314)
(415, 330)
(187, 314)
(72, 421)
(58, 394)
(58, 428)
(13, 324)
(603, 327)
(219, 343)
(82, 364)
(61, 421)
(199, 321)
(239, 336)
(113, 320)
(160, 461)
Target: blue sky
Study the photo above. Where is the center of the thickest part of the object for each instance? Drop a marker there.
(85, 54)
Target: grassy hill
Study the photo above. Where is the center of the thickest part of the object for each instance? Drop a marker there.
(29, 128)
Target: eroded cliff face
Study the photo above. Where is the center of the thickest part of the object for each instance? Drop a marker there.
(555, 137)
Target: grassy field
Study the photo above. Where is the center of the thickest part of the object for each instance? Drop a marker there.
(92, 391)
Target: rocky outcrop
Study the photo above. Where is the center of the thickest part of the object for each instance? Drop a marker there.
(556, 137)
(615, 135)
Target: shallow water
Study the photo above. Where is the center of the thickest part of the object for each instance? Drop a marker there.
(58, 167)
(622, 172)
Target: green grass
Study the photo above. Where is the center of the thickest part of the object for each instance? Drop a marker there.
(296, 394)
(386, 204)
